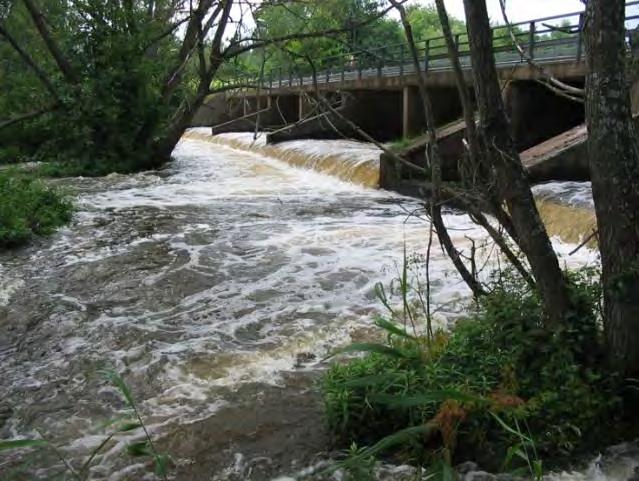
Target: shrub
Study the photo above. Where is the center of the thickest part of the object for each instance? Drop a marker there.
(499, 367)
(29, 208)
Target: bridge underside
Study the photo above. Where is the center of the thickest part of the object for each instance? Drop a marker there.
(389, 108)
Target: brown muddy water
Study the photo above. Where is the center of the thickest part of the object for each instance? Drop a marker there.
(214, 287)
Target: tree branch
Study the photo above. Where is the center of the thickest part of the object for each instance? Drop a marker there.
(41, 25)
(42, 76)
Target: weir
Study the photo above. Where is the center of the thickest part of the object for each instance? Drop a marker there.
(566, 207)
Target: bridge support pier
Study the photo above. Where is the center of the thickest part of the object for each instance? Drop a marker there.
(411, 112)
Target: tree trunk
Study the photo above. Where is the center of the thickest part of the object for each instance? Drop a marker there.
(613, 150)
(510, 181)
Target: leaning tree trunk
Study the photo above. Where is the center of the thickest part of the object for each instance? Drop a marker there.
(613, 150)
(510, 180)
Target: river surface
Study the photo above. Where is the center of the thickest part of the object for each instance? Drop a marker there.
(214, 287)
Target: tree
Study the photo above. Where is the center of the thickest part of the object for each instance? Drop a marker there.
(613, 151)
(119, 85)
(362, 30)
(425, 22)
(506, 179)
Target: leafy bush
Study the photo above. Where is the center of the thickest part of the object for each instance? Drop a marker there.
(497, 368)
(29, 208)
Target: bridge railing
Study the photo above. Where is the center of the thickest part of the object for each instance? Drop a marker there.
(555, 38)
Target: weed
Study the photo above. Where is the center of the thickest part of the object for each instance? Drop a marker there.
(476, 386)
(28, 208)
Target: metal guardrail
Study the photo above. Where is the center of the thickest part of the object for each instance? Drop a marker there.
(551, 39)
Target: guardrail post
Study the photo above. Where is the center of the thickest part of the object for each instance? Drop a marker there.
(328, 75)
(426, 55)
(343, 67)
(280, 82)
(380, 62)
(531, 41)
(290, 77)
(580, 37)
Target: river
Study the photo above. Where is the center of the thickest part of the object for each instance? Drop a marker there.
(214, 287)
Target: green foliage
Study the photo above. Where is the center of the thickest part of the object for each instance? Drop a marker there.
(401, 143)
(497, 368)
(277, 20)
(105, 120)
(425, 22)
(365, 41)
(29, 208)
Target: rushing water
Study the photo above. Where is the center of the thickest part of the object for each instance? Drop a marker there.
(215, 287)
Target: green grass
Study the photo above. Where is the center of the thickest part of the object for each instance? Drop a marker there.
(97, 168)
(29, 208)
(402, 143)
(499, 367)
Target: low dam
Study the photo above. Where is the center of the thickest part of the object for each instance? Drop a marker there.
(565, 206)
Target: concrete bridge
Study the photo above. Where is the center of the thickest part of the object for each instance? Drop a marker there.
(377, 90)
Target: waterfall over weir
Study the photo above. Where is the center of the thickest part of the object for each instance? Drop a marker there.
(348, 160)
(566, 207)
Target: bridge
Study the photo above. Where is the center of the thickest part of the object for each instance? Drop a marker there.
(377, 88)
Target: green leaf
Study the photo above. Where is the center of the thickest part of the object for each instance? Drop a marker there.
(373, 379)
(128, 426)
(161, 464)
(21, 444)
(393, 328)
(118, 382)
(511, 430)
(424, 398)
(372, 348)
(140, 448)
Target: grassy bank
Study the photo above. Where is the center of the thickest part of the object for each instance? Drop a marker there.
(498, 389)
(29, 208)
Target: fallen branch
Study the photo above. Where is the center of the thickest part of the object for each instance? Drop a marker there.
(594, 233)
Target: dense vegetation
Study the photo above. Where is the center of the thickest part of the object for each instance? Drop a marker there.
(498, 367)
(29, 208)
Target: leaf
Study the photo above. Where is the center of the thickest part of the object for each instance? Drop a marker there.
(128, 426)
(21, 444)
(380, 293)
(399, 437)
(140, 448)
(161, 464)
(424, 398)
(511, 430)
(371, 348)
(373, 379)
(118, 382)
(393, 328)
